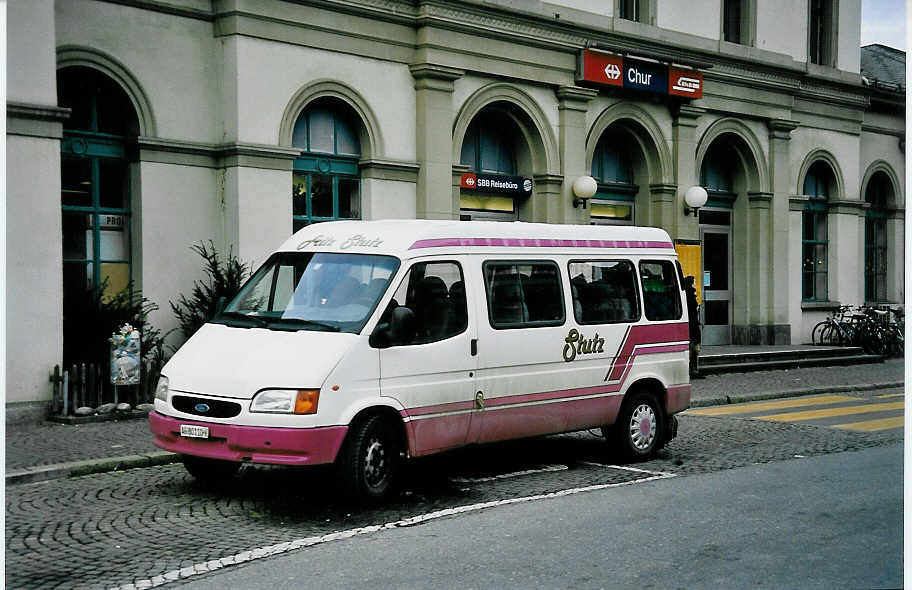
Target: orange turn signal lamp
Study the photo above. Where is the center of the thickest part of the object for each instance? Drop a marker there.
(306, 401)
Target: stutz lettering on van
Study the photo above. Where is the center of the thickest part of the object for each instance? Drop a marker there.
(359, 241)
(576, 344)
(317, 241)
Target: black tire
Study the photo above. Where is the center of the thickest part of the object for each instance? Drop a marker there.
(371, 460)
(210, 470)
(639, 431)
(817, 333)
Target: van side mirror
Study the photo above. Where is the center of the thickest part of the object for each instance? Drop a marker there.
(221, 304)
(399, 330)
(380, 337)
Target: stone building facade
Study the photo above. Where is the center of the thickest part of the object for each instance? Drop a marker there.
(137, 128)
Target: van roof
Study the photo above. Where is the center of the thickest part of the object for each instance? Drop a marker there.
(406, 238)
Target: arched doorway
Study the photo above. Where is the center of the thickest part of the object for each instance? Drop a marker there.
(326, 184)
(717, 175)
(95, 198)
(878, 194)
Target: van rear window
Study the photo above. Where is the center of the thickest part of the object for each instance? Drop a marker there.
(661, 295)
(524, 294)
(604, 291)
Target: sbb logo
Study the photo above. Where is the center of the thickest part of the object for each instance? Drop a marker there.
(468, 181)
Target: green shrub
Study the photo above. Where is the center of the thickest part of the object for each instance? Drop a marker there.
(223, 279)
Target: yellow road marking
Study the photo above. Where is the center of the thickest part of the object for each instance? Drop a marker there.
(890, 395)
(872, 425)
(777, 405)
(830, 412)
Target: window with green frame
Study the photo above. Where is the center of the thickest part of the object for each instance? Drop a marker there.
(875, 240)
(488, 144)
(716, 176)
(95, 183)
(326, 183)
(613, 202)
(814, 233)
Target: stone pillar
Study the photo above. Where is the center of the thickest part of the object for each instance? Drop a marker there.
(572, 108)
(760, 330)
(896, 226)
(684, 142)
(845, 250)
(434, 145)
(780, 287)
(548, 203)
(663, 211)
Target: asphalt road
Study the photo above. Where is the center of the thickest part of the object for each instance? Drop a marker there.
(770, 526)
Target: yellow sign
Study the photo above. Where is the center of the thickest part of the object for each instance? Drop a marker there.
(690, 256)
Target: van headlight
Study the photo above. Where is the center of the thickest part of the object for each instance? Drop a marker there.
(161, 390)
(286, 401)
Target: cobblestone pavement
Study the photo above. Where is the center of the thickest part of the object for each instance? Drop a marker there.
(112, 529)
(35, 445)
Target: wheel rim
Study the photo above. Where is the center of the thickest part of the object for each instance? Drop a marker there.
(376, 463)
(642, 427)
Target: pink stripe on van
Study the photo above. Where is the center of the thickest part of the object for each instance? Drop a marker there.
(536, 243)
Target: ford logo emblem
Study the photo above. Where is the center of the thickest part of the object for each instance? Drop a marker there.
(201, 408)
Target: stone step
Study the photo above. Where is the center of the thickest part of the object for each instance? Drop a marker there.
(744, 366)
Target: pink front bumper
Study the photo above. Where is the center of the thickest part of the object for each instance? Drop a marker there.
(278, 446)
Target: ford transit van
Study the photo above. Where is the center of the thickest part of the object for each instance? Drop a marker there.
(365, 343)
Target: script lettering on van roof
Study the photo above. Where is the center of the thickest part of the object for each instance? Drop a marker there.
(355, 241)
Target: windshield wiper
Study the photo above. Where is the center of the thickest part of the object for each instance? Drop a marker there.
(295, 324)
(257, 321)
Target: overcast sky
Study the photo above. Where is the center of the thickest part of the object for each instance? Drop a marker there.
(884, 22)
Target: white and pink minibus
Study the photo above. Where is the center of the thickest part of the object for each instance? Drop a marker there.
(365, 343)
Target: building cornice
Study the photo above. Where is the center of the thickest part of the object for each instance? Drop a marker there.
(540, 25)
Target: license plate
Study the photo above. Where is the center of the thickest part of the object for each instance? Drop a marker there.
(191, 431)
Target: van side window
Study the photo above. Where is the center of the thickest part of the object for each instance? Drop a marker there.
(435, 294)
(661, 295)
(523, 294)
(604, 291)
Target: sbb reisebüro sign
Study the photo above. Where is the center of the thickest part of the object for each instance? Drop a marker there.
(496, 183)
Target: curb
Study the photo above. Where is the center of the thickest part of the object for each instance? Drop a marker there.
(721, 400)
(89, 466)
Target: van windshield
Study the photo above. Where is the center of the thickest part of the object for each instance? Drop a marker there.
(312, 291)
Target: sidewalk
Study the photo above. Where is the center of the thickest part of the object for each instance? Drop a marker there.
(37, 452)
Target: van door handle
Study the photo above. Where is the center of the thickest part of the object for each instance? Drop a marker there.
(474, 346)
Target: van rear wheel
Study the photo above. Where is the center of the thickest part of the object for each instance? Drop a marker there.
(371, 459)
(209, 470)
(639, 430)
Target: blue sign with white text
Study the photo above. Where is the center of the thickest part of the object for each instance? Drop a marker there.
(644, 75)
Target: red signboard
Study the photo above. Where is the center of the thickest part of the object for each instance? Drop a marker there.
(688, 83)
(467, 181)
(603, 68)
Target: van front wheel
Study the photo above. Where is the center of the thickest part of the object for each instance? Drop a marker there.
(371, 459)
(639, 430)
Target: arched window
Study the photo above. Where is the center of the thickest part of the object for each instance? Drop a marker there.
(612, 170)
(95, 182)
(489, 147)
(814, 233)
(877, 195)
(326, 184)
(717, 175)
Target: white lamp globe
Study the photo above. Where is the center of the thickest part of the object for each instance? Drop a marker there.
(585, 187)
(695, 197)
